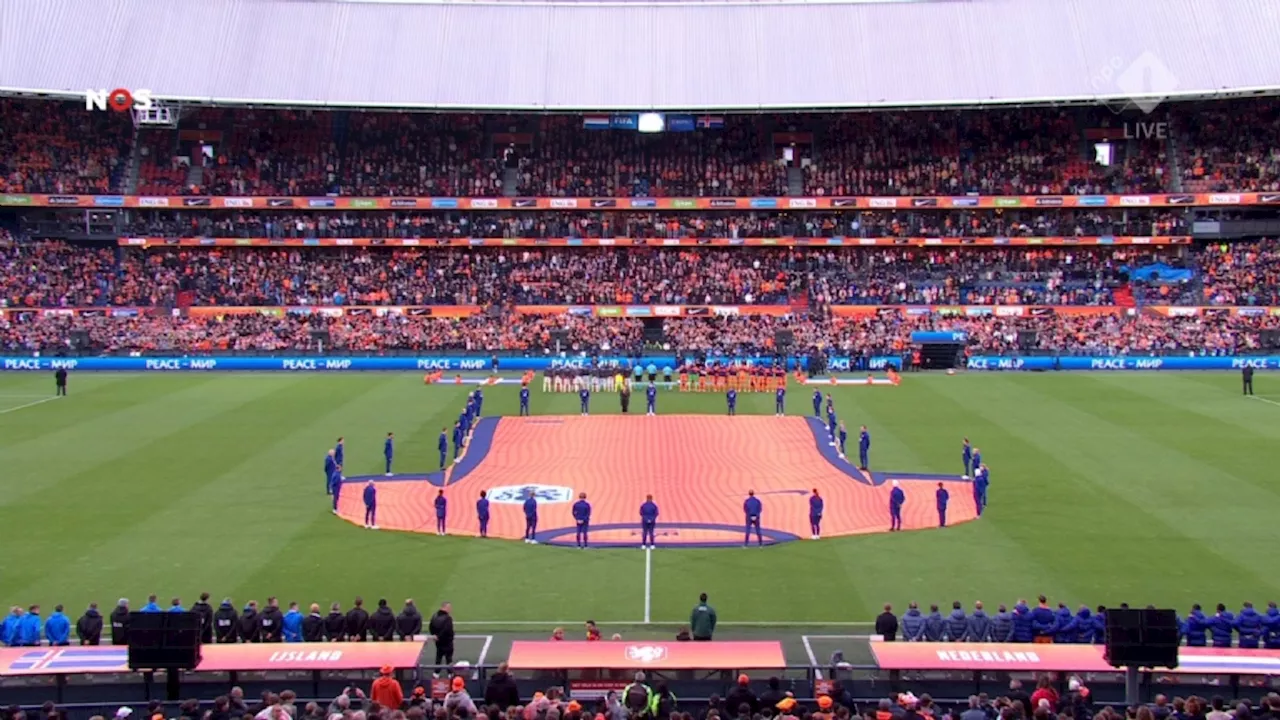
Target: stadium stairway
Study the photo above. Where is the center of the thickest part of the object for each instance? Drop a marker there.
(1124, 296)
(795, 181)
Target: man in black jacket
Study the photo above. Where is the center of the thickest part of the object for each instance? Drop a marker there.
(89, 626)
(382, 624)
(225, 625)
(248, 623)
(205, 611)
(441, 630)
(409, 622)
(358, 622)
(272, 621)
(887, 624)
(313, 626)
(741, 695)
(502, 690)
(120, 623)
(335, 625)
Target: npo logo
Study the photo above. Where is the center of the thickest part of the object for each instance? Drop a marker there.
(646, 654)
(120, 100)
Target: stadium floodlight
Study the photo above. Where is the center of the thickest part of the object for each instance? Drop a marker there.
(651, 123)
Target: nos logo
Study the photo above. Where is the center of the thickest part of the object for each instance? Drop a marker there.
(517, 494)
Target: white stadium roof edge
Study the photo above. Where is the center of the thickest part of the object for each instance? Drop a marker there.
(641, 54)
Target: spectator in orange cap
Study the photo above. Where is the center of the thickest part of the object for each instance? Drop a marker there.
(741, 695)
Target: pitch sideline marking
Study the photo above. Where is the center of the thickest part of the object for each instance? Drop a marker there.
(1262, 399)
(30, 404)
(813, 659)
(484, 653)
(648, 583)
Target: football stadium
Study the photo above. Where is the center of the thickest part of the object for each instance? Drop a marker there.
(639, 359)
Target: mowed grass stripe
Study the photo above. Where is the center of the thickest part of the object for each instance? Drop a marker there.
(1218, 426)
(1131, 493)
(934, 423)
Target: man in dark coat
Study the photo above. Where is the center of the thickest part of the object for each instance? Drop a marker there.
(409, 621)
(441, 631)
(887, 624)
(335, 625)
(226, 626)
(358, 622)
(741, 695)
(205, 611)
(382, 624)
(89, 626)
(313, 625)
(501, 690)
(120, 623)
(249, 627)
(272, 621)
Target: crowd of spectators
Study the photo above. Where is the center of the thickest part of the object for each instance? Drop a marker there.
(60, 148)
(543, 224)
(863, 336)
(55, 274)
(1217, 156)
(53, 148)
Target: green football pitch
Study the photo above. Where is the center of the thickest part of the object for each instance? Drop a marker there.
(1140, 487)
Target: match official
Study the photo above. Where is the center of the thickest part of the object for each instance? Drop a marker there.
(897, 498)
(651, 399)
(584, 399)
(482, 513)
(815, 515)
(751, 507)
(780, 401)
(582, 520)
(624, 395)
(732, 398)
(60, 382)
(388, 451)
(370, 506)
(443, 446)
(442, 510)
(864, 448)
(524, 400)
(530, 519)
(1246, 374)
(648, 523)
(943, 498)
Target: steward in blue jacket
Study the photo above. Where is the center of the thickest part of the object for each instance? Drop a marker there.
(1065, 631)
(1271, 628)
(292, 624)
(979, 629)
(1084, 626)
(1043, 620)
(1022, 623)
(934, 626)
(29, 627)
(1100, 625)
(957, 623)
(57, 629)
(1002, 625)
(1223, 623)
(912, 624)
(1249, 625)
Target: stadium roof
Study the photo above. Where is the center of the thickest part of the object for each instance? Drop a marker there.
(641, 55)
